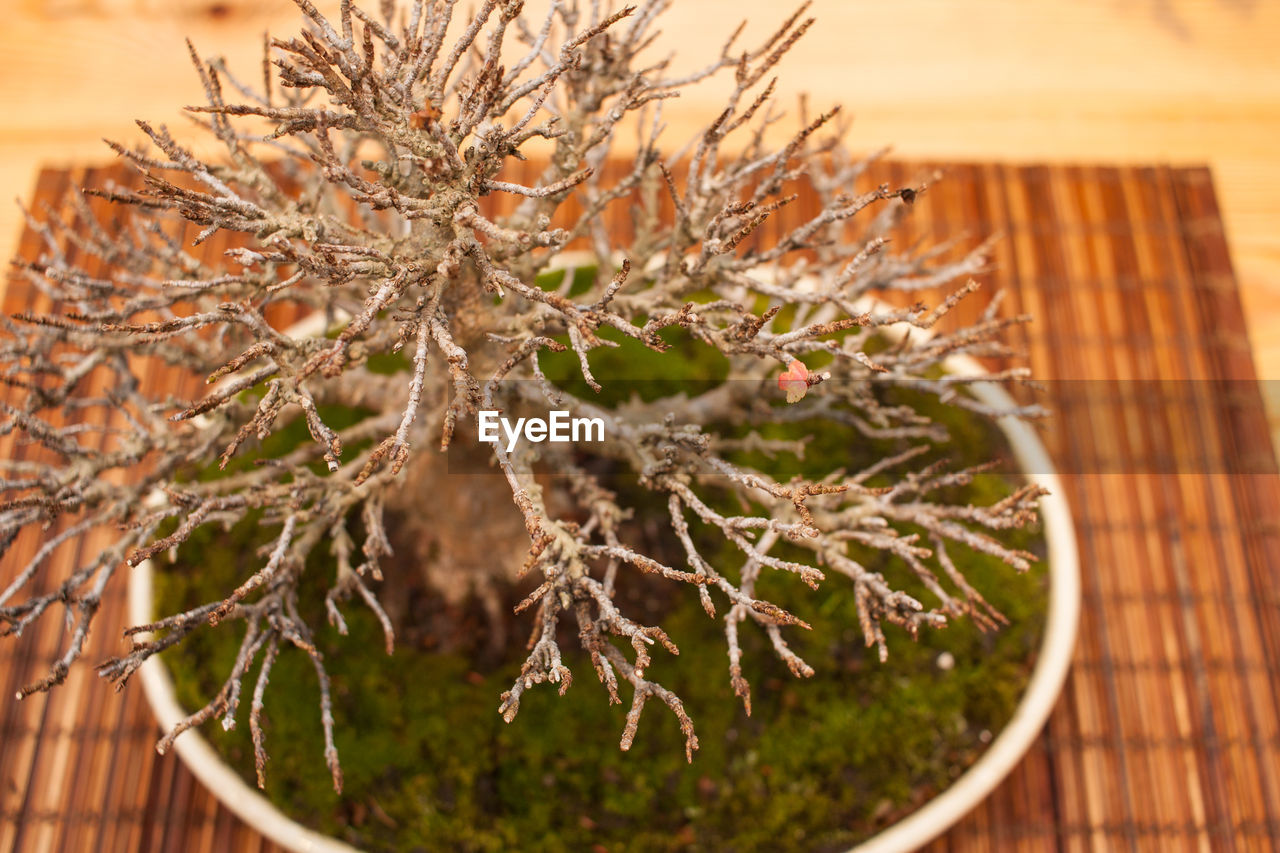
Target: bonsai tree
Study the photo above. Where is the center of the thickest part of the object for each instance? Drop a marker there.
(371, 178)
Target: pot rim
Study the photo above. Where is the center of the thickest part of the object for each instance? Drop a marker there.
(915, 830)
(1056, 647)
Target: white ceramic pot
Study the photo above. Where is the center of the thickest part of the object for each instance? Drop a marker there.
(1029, 717)
(908, 834)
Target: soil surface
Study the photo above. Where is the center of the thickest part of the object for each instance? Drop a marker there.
(429, 765)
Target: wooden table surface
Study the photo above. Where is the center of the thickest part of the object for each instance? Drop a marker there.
(1117, 81)
(1081, 81)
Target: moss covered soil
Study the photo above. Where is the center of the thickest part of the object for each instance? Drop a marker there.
(428, 763)
(820, 764)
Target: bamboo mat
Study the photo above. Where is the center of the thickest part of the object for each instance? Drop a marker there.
(1167, 736)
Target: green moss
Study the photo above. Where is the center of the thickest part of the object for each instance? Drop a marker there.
(430, 765)
(420, 738)
(688, 366)
(821, 763)
(584, 278)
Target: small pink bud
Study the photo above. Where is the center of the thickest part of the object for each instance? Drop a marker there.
(795, 381)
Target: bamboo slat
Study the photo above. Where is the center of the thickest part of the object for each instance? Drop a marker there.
(1167, 736)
